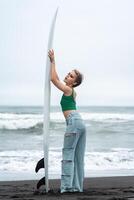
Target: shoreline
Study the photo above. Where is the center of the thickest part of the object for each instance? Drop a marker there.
(95, 188)
(31, 175)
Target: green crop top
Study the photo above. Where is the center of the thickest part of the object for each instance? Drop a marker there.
(68, 102)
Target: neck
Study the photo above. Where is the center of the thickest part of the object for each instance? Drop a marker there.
(69, 86)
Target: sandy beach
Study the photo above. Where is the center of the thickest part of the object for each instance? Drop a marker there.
(98, 188)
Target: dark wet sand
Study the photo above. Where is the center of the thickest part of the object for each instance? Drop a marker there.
(98, 188)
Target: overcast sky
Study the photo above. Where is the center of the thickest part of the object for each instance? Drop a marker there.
(96, 37)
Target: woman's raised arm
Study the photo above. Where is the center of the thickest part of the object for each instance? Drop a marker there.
(54, 76)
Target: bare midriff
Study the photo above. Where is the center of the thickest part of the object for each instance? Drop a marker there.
(66, 113)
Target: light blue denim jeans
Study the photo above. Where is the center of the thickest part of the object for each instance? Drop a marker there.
(72, 165)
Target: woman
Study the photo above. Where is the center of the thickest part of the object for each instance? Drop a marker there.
(75, 136)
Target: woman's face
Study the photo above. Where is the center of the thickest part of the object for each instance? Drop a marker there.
(70, 78)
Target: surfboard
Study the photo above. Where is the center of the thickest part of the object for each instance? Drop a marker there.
(43, 163)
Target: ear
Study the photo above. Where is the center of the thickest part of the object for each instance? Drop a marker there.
(75, 83)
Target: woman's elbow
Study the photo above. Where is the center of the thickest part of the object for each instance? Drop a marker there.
(53, 80)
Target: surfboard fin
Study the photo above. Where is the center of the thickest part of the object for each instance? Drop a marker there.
(40, 183)
(39, 165)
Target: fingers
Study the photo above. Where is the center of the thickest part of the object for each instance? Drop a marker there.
(51, 52)
(51, 55)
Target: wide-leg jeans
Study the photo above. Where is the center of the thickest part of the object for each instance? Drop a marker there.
(72, 166)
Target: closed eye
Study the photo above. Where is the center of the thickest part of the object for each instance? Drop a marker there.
(70, 75)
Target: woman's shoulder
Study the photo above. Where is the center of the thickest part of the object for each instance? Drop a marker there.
(71, 92)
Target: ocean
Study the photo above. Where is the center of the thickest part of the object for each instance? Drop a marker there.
(109, 145)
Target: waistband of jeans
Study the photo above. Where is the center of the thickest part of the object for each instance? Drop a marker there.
(72, 114)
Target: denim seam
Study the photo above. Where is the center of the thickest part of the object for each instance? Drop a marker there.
(65, 161)
(67, 148)
(65, 175)
(70, 134)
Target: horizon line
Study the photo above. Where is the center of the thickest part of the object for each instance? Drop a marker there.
(91, 105)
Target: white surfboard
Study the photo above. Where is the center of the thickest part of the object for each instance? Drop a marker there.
(47, 95)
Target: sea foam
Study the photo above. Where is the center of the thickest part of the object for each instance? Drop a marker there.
(26, 121)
